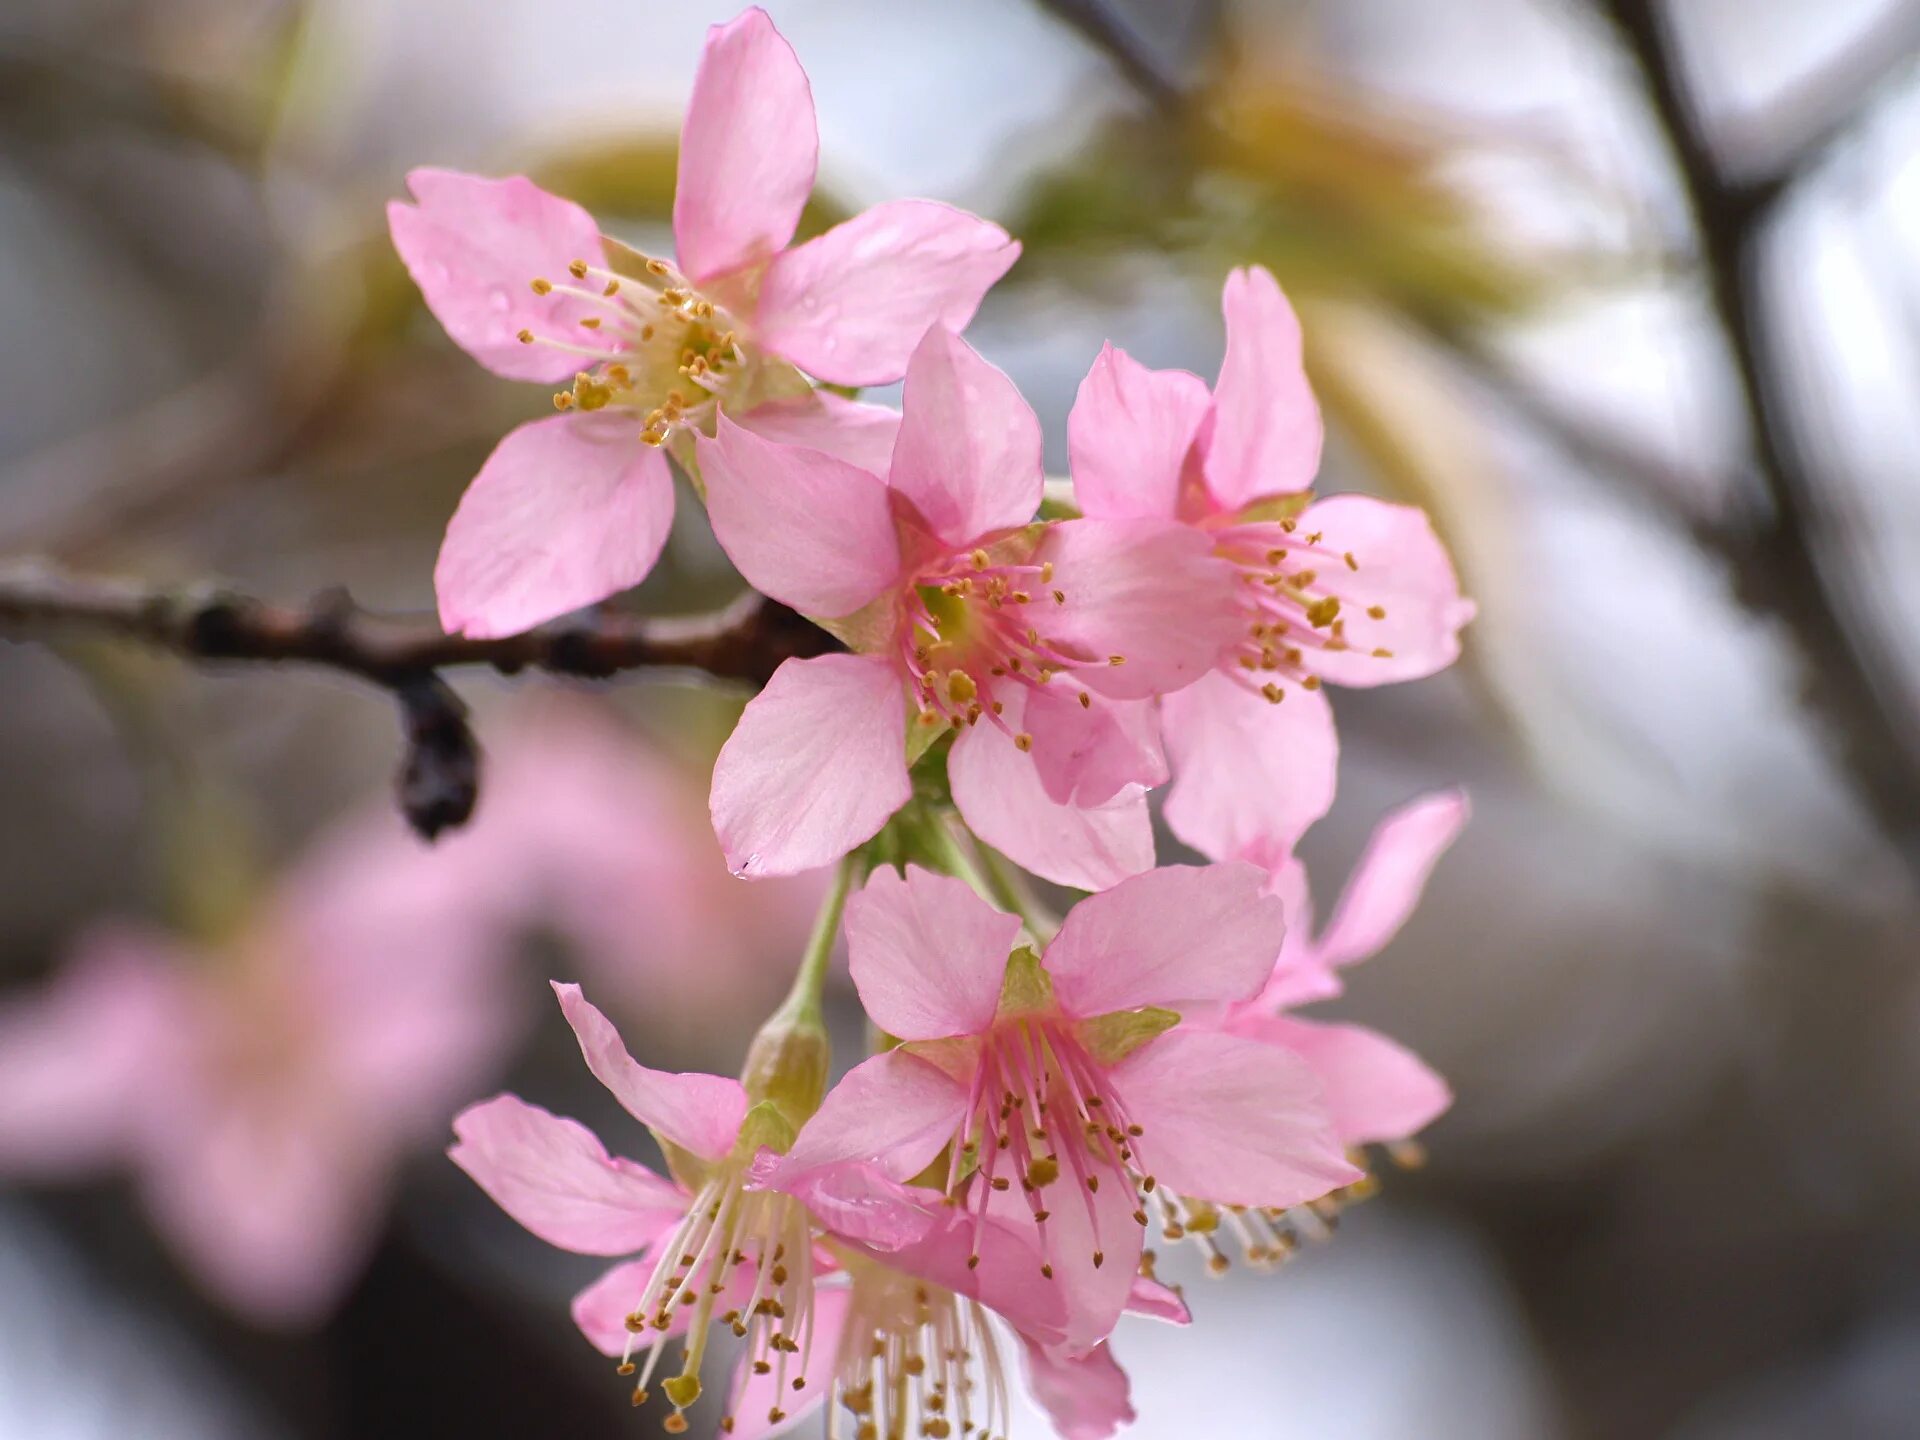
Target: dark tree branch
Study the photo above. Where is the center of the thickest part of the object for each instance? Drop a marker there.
(404, 655)
(1774, 563)
(1146, 67)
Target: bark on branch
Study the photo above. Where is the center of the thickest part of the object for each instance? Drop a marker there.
(403, 654)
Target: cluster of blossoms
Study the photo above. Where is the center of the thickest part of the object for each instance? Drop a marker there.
(1046, 1093)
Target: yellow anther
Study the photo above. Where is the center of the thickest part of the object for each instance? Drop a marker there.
(1116, 659)
(979, 558)
(1273, 692)
(1042, 1170)
(658, 267)
(612, 288)
(1352, 564)
(563, 400)
(590, 322)
(1321, 612)
(1312, 682)
(1086, 701)
(1376, 612)
(1381, 652)
(543, 287)
(578, 269)
(525, 337)
(1023, 742)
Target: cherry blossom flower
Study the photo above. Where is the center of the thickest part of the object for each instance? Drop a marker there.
(1377, 1090)
(1060, 1092)
(1035, 647)
(717, 1245)
(263, 1090)
(570, 509)
(714, 1246)
(1347, 590)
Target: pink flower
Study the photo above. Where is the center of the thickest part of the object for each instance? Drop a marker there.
(1059, 1092)
(1348, 590)
(262, 1093)
(1034, 647)
(570, 509)
(919, 1322)
(808, 1298)
(720, 1247)
(1377, 1090)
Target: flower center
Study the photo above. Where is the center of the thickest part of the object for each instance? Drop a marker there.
(971, 635)
(1291, 618)
(916, 1360)
(654, 346)
(747, 1253)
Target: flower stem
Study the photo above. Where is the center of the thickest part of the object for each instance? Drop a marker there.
(810, 980)
(1009, 891)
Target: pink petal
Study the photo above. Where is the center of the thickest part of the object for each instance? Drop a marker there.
(1178, 934)
(860, 434)
(1266, 431)
(1086, 1398)
(1248, 777)
(1376, 1089)
(1129, 435)
(1006, 1276)
(969, 450)
(927, 954)
(86, 1056)
(895, 1111)
(1151, 591)
(815, 767)
(748, 149)
(1089, 1297)
(1301, 976)
(475, 246)
(699, 1113)
(566, 511)
(602, 1308)
(850, 306)
(1403, 570)
(756, 1397)
(860, 1204)
(811, 531)
(999, 795)
(1085, 755)
(1230, 1120)
(1387, 881)
(1158, 1302)
(557, 1180)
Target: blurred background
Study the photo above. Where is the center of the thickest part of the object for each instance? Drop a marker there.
(1627, 293)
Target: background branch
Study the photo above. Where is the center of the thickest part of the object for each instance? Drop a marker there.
(1770, 548)
(403, 654)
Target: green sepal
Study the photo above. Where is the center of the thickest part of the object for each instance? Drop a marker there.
(1272, 508)
(1025, 989)
(1110, 1038)
(764, 1125)
(956, 1057)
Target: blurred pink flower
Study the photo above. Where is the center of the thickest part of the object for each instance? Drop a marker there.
(1377, 1090)
(588, 831)
(1055, 636)
(570, 509)
(262, 1092)
(1349, 590)
(1062, 1088)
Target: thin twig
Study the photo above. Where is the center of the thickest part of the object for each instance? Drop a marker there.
(1774, 564)
(402, 654)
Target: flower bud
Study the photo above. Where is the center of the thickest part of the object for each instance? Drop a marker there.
(787, 1063)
